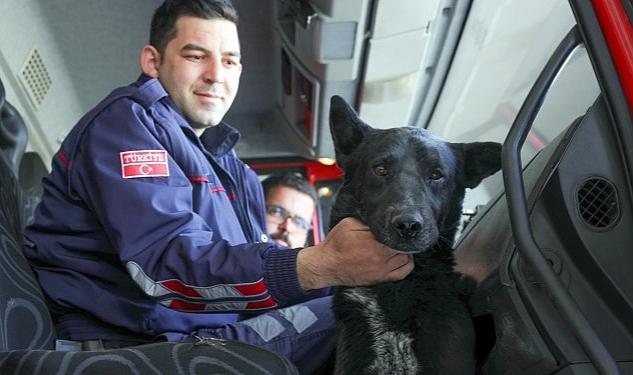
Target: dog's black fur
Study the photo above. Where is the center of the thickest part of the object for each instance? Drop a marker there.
(407, 185)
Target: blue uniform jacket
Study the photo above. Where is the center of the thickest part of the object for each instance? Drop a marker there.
(145, 229)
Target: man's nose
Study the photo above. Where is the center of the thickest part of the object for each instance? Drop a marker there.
(214, 71)
(284, 224)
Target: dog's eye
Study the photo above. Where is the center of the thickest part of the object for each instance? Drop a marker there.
(436, 174)
(379, 170)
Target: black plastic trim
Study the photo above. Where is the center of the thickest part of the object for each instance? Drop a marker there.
(600, 57)
(518, 210)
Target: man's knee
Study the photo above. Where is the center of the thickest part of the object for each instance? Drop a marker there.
(302, 333)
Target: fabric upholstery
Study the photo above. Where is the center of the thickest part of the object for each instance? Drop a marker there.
(25, 320)
(13, 133)
(211, 357)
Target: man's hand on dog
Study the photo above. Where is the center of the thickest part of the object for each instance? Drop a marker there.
(350, 256)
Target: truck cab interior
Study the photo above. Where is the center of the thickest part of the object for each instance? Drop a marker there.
(548, 238)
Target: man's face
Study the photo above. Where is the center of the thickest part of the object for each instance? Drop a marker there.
(297, 205)
(200, 69)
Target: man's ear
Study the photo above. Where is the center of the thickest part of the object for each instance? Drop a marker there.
(480, 160)
(346, 128)
(150, 61)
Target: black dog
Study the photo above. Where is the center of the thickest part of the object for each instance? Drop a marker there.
(407, 185)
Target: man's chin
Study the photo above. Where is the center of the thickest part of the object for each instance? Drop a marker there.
(281, 242)
(203, 120)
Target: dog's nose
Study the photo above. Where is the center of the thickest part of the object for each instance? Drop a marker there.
(407, 226)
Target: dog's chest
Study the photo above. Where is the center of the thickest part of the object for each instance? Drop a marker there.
(401, 321)
(392, 346)
(403, 304)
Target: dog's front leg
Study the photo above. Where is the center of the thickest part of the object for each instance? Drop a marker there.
(446, 345)
(353, 356)
(367, 341)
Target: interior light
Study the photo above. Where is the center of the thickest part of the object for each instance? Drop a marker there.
(327, 161)
(324, 192)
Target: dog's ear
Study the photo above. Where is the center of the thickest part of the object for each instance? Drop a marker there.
(346, 128)
(481, 159)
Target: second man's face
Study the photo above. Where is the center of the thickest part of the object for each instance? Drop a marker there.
(200, 69)
(285, 207)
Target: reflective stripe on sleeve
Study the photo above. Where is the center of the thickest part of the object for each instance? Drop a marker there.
(206, 295)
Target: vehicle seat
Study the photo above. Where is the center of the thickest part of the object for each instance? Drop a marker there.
(32, 170)
(13, 136)
(27, 334)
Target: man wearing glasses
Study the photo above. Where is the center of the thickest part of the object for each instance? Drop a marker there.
(290, 203)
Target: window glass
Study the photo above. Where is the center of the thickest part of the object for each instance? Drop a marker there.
(493, 70)
(573, 91)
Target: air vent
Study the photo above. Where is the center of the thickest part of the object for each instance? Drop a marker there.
(598, 203)
(35, 78)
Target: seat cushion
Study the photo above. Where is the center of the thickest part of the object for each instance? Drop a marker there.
(211, 357)
(24, 318)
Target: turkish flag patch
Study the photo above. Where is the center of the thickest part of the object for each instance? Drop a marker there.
(144, 163)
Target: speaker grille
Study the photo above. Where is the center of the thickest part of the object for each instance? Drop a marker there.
(35, 78)
(598, 203)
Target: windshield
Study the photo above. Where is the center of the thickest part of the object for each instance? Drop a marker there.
(495, 66)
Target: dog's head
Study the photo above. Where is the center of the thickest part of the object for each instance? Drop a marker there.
(405, 183)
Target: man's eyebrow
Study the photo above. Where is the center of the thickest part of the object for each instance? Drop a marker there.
(195, 47)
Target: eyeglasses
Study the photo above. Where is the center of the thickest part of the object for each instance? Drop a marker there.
(279, 214)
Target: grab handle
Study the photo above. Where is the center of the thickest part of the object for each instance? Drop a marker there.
(518, 210)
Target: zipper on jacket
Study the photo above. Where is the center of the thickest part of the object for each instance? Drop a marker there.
(245, 222)
(243, 216)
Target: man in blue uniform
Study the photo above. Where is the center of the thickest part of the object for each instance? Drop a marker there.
(151, 227)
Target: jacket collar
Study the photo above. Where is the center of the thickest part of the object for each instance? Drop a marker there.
(219, 140)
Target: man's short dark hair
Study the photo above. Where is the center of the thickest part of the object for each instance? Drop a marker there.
(292, 180)
(164, 20)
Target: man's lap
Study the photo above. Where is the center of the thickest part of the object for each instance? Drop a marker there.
(303, 333)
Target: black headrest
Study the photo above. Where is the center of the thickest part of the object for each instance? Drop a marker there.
(13, 133)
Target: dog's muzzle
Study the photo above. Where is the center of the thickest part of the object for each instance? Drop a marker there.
(407, 226)
(409, 232)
